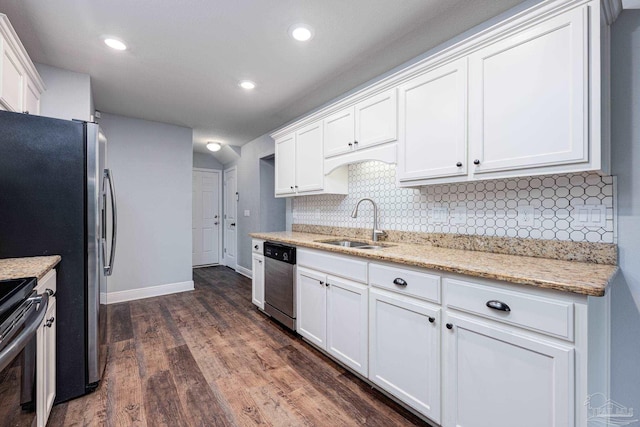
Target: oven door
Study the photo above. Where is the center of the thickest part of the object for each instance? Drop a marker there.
(18, 361)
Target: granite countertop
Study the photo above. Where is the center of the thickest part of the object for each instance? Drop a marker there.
(568, 276)
(37, 266)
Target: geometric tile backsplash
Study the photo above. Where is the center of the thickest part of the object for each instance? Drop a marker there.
(541, 207)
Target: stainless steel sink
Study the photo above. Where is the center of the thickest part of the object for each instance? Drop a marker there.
(354, 244)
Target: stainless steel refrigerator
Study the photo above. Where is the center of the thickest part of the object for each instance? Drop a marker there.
(57, 197)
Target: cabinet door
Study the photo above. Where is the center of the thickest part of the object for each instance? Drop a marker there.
(257, 280)
(309, 159)
(31, 98)
(338, 132)
(46, 365)
(528, 97)
(311, 309)
(433, 124)
(11, 79)
(495, 378)
(347, 308)
(404, 350)
(285, 165)
(376, 120)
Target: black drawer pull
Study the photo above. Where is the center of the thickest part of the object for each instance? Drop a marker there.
(256, 247)
(400, 282)
(432, 319)
(498, 305)
(449, 326)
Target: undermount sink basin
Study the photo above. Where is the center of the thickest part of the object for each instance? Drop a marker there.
(354, 244)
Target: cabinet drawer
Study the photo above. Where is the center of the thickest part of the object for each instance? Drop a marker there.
(256, 246)
(411, 282)
(342, 266)
(552, 317)
(47, 282)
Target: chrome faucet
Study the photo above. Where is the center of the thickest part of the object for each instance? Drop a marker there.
(375, 233)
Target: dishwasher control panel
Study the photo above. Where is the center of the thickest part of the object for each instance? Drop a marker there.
(280, 252)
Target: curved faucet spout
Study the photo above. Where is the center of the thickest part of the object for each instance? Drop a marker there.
(375, 232)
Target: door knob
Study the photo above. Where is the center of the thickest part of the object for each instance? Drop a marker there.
(216, 223)
(233, 224)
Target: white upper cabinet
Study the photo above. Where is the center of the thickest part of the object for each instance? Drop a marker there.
(339, 133)
(285, 165)
(433, 124)
(528, 97)
(20, 83)
(370, 122)
(309, 161)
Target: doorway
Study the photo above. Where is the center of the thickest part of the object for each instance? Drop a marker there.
(206, 239)
(230, 216)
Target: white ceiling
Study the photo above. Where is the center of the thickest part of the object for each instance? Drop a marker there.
(186, 57)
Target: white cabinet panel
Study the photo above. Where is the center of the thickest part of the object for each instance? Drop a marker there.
(285, 164)
(347, 307)
(11, 80)
(309, 160)
(495, 378)
(376, 120)
(339, 132)
(433, 124)
(257, 280)
(528, 97)
(311, 308)
(404, 350)
(31, 98)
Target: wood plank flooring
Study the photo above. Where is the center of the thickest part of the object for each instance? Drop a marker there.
(210, 358)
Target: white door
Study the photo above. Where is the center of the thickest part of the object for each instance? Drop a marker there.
(206, 217)
(285, 165)
(311, 311)
(433, 124)
(347, 323)
(404, 350)
(528, 97)
(376, 119)
(257, 280)
(339, 132)
(309, 159)
(496, 378)
(230, 216)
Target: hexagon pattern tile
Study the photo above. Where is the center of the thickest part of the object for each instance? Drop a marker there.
(487, 208)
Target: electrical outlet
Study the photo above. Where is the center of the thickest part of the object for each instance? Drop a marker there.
(526, 215)
(440, 215)
(459, 216)
(589, 216)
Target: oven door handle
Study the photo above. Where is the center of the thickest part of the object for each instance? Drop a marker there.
(31, 323)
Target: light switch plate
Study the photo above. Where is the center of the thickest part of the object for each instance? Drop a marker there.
(247, 212)
(526, 216)
(459, 216)
(589, 216)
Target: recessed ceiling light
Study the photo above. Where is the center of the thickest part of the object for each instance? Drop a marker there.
(214, 146)
(247, 84)
(301, 32)
(115, 44)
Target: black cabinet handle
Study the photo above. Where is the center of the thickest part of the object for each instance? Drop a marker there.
(256, 247)
(355, 142)
(49, 322)
(459, 164)
(400, 282)
(292, 187)
(498, 305)
(432, 319)
(350, 144)
(321, 282)
(476, 162)
(449, 325)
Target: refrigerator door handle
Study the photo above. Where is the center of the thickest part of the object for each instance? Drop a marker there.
(108, 268)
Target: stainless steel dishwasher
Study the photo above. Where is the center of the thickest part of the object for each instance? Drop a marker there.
(279, 283)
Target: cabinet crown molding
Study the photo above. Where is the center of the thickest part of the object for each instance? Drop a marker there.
(10, 36)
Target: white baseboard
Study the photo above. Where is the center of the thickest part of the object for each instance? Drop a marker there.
(151, 291)
(244, 271)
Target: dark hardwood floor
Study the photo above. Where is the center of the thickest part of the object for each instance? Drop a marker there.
(210, 358)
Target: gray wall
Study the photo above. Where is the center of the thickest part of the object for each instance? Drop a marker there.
(206, 161)
(68, 95)
(625, 291)
(152, 164)
(251, 194)
(272, 216)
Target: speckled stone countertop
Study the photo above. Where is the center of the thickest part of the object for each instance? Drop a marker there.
(37, 266)
(567, 276)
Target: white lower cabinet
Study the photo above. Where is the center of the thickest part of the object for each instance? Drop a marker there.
(46, 352)
(257, 280)
(332, 314)
(502, 378)
(404, 349)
